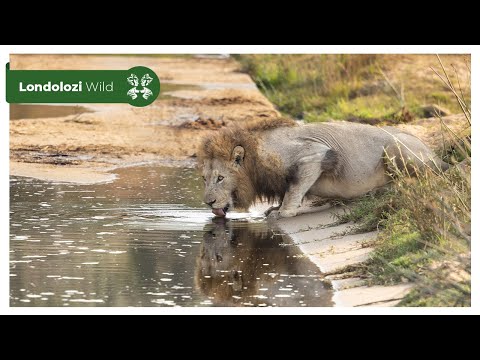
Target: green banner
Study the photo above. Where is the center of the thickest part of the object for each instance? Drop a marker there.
(138, 86)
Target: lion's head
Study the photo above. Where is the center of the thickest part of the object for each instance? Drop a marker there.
(233, 172)
(225, 180)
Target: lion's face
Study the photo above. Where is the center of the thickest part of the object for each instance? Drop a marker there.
(220, 185)
(221, 182)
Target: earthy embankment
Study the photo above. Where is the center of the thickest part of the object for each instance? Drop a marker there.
(198, 95)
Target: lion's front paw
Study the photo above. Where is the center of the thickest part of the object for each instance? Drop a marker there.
(271, 209)
(273, 214)
(278, 214)
(287, 213)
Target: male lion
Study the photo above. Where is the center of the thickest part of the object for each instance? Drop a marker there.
(278, 160)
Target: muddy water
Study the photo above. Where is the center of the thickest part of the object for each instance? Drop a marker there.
(37, 111)
(27, 111)
(147, 240)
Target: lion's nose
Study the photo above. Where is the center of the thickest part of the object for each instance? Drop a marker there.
(211, 202)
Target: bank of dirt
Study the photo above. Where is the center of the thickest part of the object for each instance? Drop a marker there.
(208, 94)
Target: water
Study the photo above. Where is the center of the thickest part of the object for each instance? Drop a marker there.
(147, 240)
(28, 111)
(37, 111)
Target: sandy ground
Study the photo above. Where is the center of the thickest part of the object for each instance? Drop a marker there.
(112, 135)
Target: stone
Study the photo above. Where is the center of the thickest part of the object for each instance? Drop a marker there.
(313, 217)
(343, 284)
(371, 296)
(429, 111)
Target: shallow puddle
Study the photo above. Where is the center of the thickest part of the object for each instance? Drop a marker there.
(167, 90)
(29, 111)
(38, 111)
(147, 240)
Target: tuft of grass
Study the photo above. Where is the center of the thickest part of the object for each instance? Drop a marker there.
(423, 222)
(439, 294)
(440, 98)
(369, 212)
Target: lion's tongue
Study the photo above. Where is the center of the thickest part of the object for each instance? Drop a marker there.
(218, 212)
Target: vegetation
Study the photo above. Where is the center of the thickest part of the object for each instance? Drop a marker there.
(366, 88)
(425, 224)
(424, 237)
(424, 221)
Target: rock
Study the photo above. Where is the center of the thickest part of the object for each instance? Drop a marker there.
(348, 283)
(311, 218)
(331, 252)
(372, 296)
(428, 111)
(332, 247)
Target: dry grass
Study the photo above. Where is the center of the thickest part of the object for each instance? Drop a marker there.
(365, 88)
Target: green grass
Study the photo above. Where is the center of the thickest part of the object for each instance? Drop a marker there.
(365, 88)
(399, 254)
(439, 294)
(369, 212)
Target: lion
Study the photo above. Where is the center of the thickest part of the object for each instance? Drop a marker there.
(282, 161)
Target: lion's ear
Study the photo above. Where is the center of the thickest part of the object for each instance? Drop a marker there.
(237, 155)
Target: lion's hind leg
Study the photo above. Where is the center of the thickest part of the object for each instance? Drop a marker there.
(405, 152)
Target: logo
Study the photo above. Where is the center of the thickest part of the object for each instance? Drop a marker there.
(144, 86)
(138, 86)
(133, 92)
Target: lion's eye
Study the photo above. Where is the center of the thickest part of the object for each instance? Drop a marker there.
(220, 178)
(204, 179)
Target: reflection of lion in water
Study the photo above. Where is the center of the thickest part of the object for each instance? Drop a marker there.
(244, 263)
